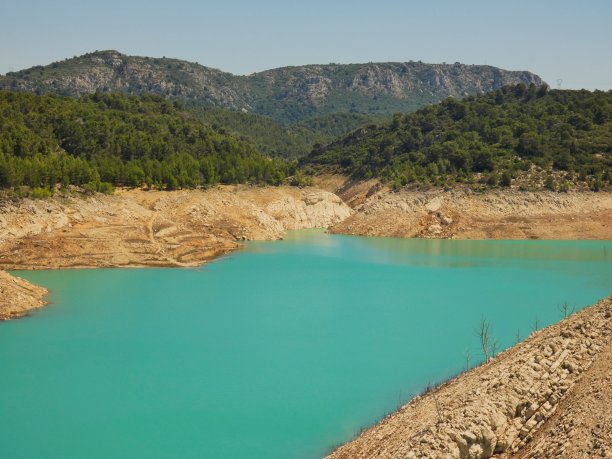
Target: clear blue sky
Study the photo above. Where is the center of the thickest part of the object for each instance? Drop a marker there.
(569, 40)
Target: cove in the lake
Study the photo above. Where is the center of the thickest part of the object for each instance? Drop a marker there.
(282, 350)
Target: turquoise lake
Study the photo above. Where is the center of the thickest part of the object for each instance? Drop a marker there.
(281, 350)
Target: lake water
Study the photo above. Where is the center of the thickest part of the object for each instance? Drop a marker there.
(281, 350)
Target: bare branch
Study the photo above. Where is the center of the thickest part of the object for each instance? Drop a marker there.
(484, 334)
(438, 410)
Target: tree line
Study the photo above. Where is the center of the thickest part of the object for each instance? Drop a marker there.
(103, 140)
(495, 136)
(275, 139)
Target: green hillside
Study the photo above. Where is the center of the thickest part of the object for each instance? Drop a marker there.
(120, 140)
(492, 138)
(278, 140)
(284, 112)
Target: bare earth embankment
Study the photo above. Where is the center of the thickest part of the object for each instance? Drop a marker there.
(18, 296)
(149, 228)
(464, 214)
(547, 397)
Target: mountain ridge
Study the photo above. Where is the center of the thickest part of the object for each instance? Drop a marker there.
(286, 94)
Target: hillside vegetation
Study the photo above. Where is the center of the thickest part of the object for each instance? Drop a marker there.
(284, 112)
(275, 139)
(104, 139)
(515, 131)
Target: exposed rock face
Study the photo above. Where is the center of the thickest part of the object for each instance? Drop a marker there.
(463, 214)
(497, 409)
(582, 423)
(287, 94)
(139, 228)
(112, 71)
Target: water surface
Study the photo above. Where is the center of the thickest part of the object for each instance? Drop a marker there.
(281, 350)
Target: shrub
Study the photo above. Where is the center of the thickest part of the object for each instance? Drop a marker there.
(506, 179)
(41, 193)
(106, 188)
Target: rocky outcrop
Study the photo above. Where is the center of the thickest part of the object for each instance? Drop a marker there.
(582, 423)
(287, 94)
(18, 296)
(315, 209)
(497, 409)
(111, 71)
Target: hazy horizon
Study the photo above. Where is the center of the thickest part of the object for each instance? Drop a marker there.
(561, 41)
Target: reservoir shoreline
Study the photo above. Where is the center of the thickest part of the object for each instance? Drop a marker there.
(138, 228)
(475, 413)
(529, 401)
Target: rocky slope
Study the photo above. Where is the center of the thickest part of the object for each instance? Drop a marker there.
(464, 214)
(18, 296)
(138, 228)
(286, 94)
(533, 400)
(582, 425)
(152, 228)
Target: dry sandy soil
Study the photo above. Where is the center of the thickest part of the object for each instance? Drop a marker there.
(547, 397)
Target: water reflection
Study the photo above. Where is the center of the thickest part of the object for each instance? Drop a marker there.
(436, 253)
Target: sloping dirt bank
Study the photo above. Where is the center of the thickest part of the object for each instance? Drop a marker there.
(150, 228)
(464, 214)
(18, 296)
(548, 396)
